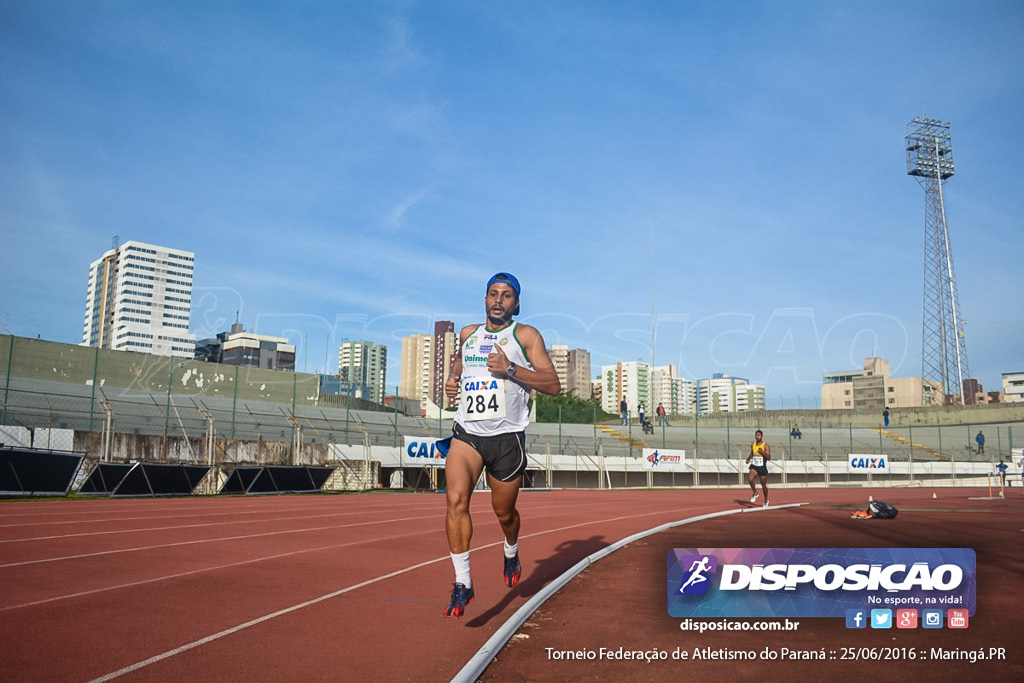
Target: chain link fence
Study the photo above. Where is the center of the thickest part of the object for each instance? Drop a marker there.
(120, 406)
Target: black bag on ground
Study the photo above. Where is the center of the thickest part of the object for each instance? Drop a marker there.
(882, 510)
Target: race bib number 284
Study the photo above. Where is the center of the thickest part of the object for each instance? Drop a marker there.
(483, 399)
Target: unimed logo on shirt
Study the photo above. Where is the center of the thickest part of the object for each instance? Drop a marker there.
(816, 582)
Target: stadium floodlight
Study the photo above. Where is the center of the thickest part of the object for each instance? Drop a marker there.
(929, 150)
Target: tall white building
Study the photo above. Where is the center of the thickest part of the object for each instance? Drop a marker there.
(417, 365)
(676, 394)
(363, 365)
(139, 299)
(446, 343)
(630, 381)
(725, 394)
(559, 354)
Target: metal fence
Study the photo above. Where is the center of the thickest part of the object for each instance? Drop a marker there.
(34, 404)
(37, 404)
(120, 406)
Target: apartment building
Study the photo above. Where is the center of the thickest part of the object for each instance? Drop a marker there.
(139, 298)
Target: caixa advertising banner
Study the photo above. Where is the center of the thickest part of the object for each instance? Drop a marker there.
(867, 463)
(422, 451)
(664, 460)
(817, 582)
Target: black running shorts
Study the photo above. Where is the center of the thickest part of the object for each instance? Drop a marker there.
(762, 471)
(504, 455)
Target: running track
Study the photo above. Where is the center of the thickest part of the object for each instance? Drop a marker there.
(352, 587)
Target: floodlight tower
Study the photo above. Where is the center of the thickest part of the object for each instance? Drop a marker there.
(944, 348)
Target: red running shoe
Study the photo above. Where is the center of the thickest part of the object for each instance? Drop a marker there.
(513, 570)
(461, 596)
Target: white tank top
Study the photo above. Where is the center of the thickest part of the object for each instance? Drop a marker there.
(484, 394)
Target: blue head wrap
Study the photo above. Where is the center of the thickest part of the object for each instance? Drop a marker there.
(508, 279)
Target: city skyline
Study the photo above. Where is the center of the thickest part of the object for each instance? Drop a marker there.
(731, 178)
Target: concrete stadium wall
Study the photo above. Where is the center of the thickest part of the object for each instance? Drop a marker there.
(359, 467)
(49, 362)
(53, 361)
(37, 359)
(355, 475)
(150, 448)
(83, 365)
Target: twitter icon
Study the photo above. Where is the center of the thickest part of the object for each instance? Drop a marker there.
(881, 618)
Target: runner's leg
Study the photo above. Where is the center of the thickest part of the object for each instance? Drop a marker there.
(462, 468)
(503, 500)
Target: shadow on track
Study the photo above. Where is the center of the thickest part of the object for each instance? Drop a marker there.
(546, 570)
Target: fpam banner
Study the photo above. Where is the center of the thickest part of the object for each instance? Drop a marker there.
(664, 460)
(868, 463)
(422, 451)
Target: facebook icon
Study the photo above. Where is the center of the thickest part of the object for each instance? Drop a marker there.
(856, 618)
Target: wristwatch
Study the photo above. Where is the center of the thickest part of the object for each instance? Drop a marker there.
(511, 371)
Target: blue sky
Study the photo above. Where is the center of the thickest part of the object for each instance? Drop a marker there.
(357, 170)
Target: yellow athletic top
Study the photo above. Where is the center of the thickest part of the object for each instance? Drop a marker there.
(757, 454)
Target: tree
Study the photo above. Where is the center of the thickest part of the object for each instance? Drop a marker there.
(574, 409)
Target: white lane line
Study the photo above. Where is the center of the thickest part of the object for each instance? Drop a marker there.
(197, 510)
(203, 570)
(287, 610)
(259, 620)
(189, 526)
(478, 662)
(201, 540)
(224, 566)
(212, 540)
(193, 514)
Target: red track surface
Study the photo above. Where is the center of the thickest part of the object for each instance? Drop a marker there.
(353, 587)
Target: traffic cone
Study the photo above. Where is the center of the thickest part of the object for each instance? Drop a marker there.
(934, 496)
(870, 499)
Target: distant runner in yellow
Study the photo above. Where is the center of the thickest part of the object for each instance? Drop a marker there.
(760, 454)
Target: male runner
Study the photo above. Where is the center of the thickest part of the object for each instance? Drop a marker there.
(497, 365)
(760, 454)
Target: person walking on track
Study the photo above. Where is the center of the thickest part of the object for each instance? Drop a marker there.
(497, 366)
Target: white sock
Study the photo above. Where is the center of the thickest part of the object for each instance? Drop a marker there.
(510, 550)
(461, 563)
